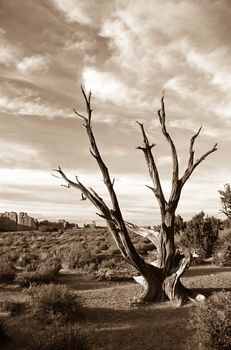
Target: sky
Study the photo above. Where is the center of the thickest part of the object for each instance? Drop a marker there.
(126, 53)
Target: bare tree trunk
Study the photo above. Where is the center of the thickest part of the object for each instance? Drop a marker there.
(167, 250)
(162, 280)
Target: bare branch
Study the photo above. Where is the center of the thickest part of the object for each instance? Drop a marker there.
(67, 186)
(102, 207)
(161, 114)
(153, 172)
(113, 217)
(89, 96)
(102, 216)
(88, 104)
(152, 235)
(96, 154)
(93, 197)
(84, 94)
(93, 155)
(191, 151)
(145, 138)
(191, 167)
(81, 116)
(57, 177)
(150, 187)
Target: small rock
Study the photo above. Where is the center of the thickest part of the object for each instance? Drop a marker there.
(139, 279)
(200, 297)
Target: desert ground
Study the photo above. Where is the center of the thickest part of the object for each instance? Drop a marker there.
(110, 321)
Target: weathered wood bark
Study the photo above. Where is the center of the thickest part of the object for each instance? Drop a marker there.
(172, 286)
(163, 279)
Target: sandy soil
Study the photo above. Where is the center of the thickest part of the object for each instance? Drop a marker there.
(112, 323)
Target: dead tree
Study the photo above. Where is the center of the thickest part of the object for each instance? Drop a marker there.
(162, 280)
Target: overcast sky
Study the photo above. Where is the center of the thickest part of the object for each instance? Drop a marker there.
(127, 53)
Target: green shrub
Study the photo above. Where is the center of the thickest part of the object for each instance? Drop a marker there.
(213, 321)
(64, 337)
(54, 303)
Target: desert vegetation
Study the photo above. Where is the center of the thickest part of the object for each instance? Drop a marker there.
(83, 285)
(211, 320)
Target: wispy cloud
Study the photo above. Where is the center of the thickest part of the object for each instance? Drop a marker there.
(32, 64)
(34, 106)
(107, 87)
(15, 154)
(74, 11)
(126, 53)
(8, 52)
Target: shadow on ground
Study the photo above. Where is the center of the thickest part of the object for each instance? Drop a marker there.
(205, 270)
(140, 328)
(207, 292)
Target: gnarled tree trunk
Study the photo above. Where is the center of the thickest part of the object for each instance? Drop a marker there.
(162, 279)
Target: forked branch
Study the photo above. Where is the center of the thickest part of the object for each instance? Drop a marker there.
(96, 154)
(152, 235)
(191, 164)
(152, 168)
(162, 119)
(105, 212)
(177, 183)
(113, 217)
(191, 150)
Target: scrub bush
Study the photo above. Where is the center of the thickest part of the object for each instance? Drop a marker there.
(54, 303)
(212, 320)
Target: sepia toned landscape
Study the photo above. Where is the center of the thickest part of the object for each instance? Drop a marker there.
(115, 208)
(88, 262)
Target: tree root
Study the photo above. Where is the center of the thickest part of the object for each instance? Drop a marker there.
(158, 287)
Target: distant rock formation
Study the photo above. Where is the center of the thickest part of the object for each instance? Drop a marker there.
(11, 221)
(91, 225)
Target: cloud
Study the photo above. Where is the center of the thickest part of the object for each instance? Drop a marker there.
(73, 11)
(15, 154)
(107, 87)
(21, 106)
(171, 51)
(223, 109)
(213, 63)
(126, 53)
(26, 101)
(87, 13)
(8, 53)
(37, 63)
